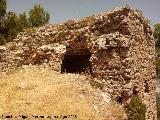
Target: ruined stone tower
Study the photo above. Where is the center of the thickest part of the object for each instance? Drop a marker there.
(117, 47)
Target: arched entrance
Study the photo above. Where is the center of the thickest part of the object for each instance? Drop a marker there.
(76, 63)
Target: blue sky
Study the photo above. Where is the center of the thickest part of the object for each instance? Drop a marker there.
(62, 10)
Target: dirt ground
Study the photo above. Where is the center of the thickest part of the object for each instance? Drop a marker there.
(38, 93)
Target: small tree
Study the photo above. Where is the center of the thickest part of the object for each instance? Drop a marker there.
(136, 109)
(157, 34)
(158, 106)
(3, 7)
(10, 25)
(22, 22)
(38, 16)
(2, 39)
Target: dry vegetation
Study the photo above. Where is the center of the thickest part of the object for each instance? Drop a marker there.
(37, 90)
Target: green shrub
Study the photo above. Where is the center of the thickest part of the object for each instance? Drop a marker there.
(136, 109)
(158, 107)
(2, 40)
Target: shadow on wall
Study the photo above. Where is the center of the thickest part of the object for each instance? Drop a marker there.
(76, 64)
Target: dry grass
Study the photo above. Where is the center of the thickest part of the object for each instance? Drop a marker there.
(37, 90)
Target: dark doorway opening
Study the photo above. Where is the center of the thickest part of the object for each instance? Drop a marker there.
(76, 64)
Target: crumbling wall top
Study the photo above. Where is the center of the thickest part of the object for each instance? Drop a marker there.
(123, 20)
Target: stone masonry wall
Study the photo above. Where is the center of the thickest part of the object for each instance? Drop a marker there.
(144, 74)
(110, 54)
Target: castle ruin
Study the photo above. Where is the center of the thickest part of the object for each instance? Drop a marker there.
(117, 47)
